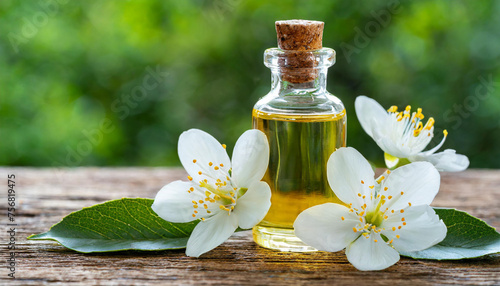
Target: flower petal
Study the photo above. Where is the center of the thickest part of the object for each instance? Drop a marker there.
(349, 175)
(201, 152)
(422, 229)
(365, 254)
(252, 207)
(415, 183)
(323, 228)
(173, 202)
(446, 161)
(392, 146)
(370, 113)
(250, 158)
(211, 233)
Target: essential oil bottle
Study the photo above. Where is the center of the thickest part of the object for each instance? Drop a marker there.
(304, 124)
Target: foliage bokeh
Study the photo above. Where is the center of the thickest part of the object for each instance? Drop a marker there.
(71, 73)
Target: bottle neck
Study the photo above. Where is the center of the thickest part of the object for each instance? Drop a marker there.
(299, 72)
(283, 85)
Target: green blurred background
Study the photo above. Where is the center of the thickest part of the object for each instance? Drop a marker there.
(115, 82)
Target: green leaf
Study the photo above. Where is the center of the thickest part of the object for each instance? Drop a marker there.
(125, 224)
(467, 237)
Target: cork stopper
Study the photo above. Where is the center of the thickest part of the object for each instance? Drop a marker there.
(299, 38)
(300, 35)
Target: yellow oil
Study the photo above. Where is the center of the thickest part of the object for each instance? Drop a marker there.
(300, 146)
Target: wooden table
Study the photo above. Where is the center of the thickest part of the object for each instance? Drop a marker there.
(44, 196)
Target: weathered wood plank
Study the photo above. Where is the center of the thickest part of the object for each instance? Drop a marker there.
(44, 196)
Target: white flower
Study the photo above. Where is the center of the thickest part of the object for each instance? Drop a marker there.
(402, 135)
(380, 217)
(224, 194)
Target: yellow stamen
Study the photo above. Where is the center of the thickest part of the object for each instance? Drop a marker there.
(354, 229)
(419, 128)
(224, 146)
(393, 108)
(210, 164)
(190, 178)
(399, 117)
(429, 123)
(194, 161)
(342, 218)
(419, 114)
(397, 236)
(445, 132)
(393, 228)
(380, 180)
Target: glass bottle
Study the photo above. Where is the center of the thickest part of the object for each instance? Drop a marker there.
(304, 124)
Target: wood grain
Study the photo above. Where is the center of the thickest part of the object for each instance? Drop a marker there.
(44, 196)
